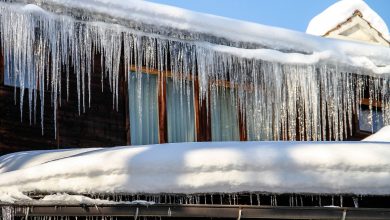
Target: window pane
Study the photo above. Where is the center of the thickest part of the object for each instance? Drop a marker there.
(370, 123)
(224, 116)
(143, 109)
(180, 109)
(12, 79)
(9, 74)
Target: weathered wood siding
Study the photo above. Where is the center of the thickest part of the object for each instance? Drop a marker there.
(99, 126)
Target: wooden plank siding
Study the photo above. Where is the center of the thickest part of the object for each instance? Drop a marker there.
(20, 136)
(101, 125)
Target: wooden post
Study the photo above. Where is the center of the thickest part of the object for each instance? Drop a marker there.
(202, 116)
(1, 67)
(124, 92)
(162, 107)
(242, 125)
(127, 110)
(58, 127)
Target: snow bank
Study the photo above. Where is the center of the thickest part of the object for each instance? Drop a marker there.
(340, 12)
(272, 167)
(381, 135)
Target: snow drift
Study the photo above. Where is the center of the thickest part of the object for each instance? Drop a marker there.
(270, 167)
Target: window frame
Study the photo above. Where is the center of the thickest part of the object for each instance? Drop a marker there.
(202, 113)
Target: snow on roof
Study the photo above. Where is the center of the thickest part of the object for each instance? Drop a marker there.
(340, 12)
(279, 39)
(381, 135)
(273, 167)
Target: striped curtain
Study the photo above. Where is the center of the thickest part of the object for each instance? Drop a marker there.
(180, 111)
(224, 116)
(143, 109)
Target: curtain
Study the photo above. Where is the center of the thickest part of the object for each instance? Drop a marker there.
(143, 109)
(224, 116)
(180, 111)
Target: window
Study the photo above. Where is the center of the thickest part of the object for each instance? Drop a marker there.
(180, 111)
(253, 120)
(143, 109)
(370, 122)
(224, 116)
(12, 77)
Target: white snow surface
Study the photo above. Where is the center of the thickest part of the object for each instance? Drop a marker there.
(12, 196)
(226, 167)
(353, 53)
(65, 198)
(340, 12)
(23, 160)
(382, 135)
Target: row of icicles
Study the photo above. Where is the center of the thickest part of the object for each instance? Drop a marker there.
(277, 101)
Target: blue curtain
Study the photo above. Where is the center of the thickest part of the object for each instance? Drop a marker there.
(143, 109)
(180, 111)
(224, 116)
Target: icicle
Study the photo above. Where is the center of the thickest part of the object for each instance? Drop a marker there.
(356, 202)
(8, 213)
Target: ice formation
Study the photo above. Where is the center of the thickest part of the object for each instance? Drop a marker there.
(340, 12)
(312, 86)
(359, 168)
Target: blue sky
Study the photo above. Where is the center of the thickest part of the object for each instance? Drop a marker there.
(292, 14)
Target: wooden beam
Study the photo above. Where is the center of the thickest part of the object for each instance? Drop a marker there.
(202, 116)
(375, 103)
(162, 107)
(202, 211)
(242, 125)
(127, 112)
(167, 73)
(124, 87)
(1, 67)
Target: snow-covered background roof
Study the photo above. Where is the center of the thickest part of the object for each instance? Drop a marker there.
(340, 12)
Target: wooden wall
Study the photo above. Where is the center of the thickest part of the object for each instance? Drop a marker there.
(99, 126)
(14, 134)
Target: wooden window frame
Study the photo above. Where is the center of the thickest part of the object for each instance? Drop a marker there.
(202, 114)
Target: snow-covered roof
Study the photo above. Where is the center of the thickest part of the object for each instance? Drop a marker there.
(232, 33)
(382, 135)
(215, 167)
(340, 12)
